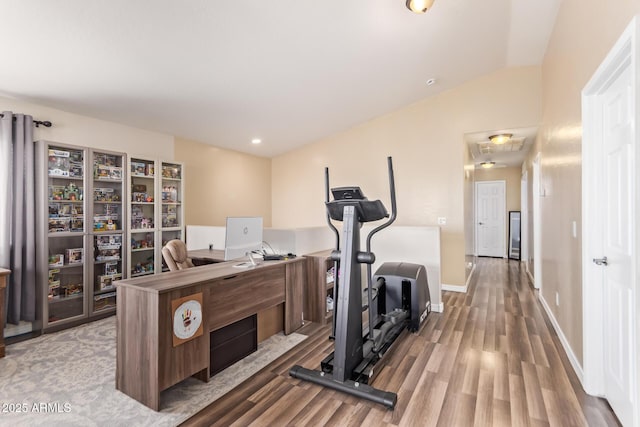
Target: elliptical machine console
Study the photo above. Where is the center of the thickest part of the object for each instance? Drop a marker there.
(397, 298)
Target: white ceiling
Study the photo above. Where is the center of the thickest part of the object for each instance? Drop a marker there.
(287, 71)
(511, 154)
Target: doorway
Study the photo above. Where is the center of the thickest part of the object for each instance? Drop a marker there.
(490, 218)
(610, 234)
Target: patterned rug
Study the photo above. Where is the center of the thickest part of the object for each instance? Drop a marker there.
(68, 379)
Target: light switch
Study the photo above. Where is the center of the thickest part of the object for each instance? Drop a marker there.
(442, 220)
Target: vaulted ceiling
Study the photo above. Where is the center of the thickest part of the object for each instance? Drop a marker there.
(287, 71)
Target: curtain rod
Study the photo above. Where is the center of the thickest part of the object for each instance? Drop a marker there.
(44, 123)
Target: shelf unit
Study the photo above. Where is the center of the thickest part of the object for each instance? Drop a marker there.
(171, 204)
(72, 220)
(62, 184)
(108, 230)
(143, 213)
(319, 285)
(155, 210)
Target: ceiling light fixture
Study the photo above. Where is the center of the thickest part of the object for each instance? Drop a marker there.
(419, 6)
(256, 141)
(500, 138)
(487, 165)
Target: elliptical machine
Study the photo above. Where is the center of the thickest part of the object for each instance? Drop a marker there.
(397, 297)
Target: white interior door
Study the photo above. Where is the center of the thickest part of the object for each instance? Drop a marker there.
(490, 218)
(610, 228)
(617, 158)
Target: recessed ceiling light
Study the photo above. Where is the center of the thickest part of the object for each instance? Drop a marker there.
(256, 141)
(431, 82)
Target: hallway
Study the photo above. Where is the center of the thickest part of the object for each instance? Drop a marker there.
(491, 359)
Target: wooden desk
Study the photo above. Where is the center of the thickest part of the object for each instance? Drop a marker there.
(147, 359)
(214, 255)
(4, 274)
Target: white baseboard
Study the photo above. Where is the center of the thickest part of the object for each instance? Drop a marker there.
(563, 339)
(454, 288)
(533, 282)
(473, 270)
(438, 308)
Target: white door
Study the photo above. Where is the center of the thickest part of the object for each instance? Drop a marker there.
(617, 158)
(610, 233)
(490, 218)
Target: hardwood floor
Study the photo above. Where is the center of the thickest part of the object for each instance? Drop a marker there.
(491, 359)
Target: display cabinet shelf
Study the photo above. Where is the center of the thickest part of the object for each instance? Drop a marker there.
(56, 300)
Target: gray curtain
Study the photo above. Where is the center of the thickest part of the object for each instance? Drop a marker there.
(17, 215)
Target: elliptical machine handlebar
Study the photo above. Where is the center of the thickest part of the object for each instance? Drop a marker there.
(392, 218)
(326, 198)
(394, 208)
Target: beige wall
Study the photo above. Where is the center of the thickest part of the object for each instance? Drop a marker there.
(584, 32)
(81, 130)
(426, 142)
(512, 178)
(222, 183)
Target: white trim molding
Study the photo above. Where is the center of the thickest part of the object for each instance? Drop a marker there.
(455, 288)
(473, 270)
(438, 308)
(575, 364)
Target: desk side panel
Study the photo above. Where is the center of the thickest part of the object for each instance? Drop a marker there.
(236, 297)
(137, 346)
(294, 290)
(189, 358)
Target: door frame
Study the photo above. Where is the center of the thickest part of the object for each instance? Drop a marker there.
(524, 218)
(537, 222)
(504, 216)
(624, 53)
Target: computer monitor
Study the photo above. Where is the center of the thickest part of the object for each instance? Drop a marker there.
(243, 235)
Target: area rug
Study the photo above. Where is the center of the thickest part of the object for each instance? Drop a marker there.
(68, 379)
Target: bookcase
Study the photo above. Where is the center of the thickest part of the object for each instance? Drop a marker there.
(319, 285)
(107, 233)
(80, 207)
(171, 203)
(143, 244)
(155, 211)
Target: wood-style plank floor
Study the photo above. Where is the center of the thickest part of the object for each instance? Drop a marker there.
(491, 359)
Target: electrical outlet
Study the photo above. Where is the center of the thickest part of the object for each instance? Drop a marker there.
(442, 220)
(557, 299)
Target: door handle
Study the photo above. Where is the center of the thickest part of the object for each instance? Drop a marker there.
(601, 261)
(481, 223)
